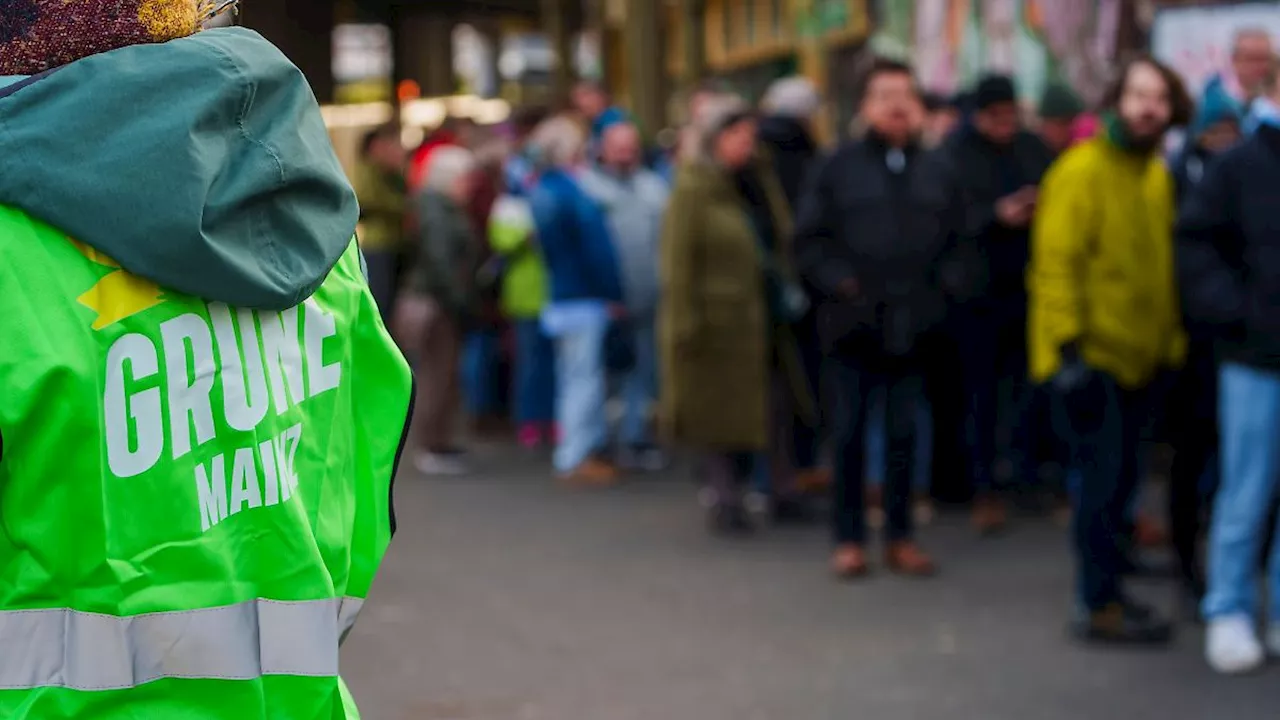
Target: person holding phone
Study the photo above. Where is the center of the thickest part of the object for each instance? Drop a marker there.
(999, 165)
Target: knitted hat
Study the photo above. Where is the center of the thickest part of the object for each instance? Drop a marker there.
(36, 35)
(1215, 106)
(993, 90)
(610, 117)
(1060, 102)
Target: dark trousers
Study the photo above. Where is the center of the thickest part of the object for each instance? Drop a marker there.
(854, 385)
(993, 354)
(728, 473)
(1102, 422)
(383, 268)
(950, 479)
(806, 433)
(1190, 414)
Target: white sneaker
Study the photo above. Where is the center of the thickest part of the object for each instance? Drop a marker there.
(429, 463)
(1273, 639)
(1232, 646)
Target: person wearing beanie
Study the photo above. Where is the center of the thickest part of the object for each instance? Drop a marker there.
(1059, 107)
(999, 165)
(595, 109)
(202, 409)
(1192, 399)
(1214, 128)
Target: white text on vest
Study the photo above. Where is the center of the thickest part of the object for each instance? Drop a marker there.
(255, 361)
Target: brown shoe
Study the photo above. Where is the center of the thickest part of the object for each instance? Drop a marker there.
(875, 506)
(1147, 533)
(1062, 513)
(989, 515)
(591, 473)
(906, 558)
(922, 510)
(813, 480)
(849, 562)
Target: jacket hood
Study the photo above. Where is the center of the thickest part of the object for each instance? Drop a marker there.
(786, 133)
(202, 164)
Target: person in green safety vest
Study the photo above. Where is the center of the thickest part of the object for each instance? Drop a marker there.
(201, 411)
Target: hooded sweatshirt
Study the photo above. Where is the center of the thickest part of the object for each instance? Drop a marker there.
(201, 164)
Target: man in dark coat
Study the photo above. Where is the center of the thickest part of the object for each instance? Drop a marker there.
(1190, 408)
(874, 230)
(999, 165)
(786, 131)
(1228, 245)
(786, 135)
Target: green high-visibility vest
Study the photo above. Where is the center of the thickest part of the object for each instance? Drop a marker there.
(194, 498)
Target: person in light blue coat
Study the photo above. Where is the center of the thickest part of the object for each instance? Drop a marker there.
(634, 199)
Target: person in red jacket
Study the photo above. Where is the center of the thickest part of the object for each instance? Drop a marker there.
(448, 134)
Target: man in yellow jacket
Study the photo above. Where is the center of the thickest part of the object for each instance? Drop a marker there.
(1104, 321)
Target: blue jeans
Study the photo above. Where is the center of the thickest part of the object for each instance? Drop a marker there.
(639, 387)
(480, 356)
(582, 386)
(921, 475)
(1249, 423)
(535, 374)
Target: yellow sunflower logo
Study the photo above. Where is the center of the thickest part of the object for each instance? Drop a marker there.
(118, 294)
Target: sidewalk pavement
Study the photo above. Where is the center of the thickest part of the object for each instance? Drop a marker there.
(506, 597)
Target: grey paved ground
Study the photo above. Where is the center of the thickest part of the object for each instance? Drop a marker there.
(506, 598)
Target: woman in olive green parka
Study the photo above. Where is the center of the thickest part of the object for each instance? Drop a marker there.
(726, 304)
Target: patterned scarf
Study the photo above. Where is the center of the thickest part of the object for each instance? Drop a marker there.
(38, 35)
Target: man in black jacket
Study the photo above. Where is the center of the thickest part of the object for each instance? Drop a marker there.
(998, 165)
(874, 226)
(786, 130)
(786, 133)
(1189, 411)
(1229, 264)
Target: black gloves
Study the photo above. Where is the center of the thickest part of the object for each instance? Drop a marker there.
(1074, 374)
(1085, 393)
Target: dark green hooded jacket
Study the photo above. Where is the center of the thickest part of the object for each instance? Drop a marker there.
(202, 164)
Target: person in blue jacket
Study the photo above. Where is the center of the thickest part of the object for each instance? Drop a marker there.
(586, 296)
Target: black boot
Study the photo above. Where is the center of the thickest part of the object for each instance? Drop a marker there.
(1123, 624)
(1190, 596)
(730, 520)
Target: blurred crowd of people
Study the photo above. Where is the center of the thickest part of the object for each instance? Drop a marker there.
(1024, 305)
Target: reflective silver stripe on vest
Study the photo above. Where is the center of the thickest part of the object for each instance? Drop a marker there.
(88, 651)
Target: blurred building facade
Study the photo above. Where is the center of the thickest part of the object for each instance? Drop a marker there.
(651, 52)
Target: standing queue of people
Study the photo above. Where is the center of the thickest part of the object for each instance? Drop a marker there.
(779, 310)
